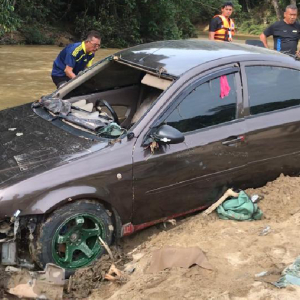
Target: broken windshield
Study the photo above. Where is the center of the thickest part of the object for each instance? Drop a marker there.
(84, 115)
(107, 99)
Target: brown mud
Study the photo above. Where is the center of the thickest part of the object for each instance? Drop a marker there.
(237, 251)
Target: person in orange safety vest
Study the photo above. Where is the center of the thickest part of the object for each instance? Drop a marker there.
(221, 27)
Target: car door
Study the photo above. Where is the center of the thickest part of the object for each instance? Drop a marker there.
(190, 175)
(272, 95)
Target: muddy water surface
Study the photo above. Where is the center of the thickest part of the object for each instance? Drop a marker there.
(25, 72)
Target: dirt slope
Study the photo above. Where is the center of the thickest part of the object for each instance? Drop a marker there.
(236, 250)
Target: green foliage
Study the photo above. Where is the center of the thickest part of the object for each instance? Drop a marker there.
(8, 19)
(166, 20)
(34, 36)
(259, 18)
(40, 11)
(251, 28)
(127, 22)
(32, 12)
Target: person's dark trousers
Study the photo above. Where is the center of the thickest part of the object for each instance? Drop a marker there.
(59, 80)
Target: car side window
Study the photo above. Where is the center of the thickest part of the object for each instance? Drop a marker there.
(272, 88)
(211, 103)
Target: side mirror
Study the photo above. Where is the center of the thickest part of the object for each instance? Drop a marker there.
(164, 135)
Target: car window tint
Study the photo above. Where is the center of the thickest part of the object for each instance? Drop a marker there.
(207, 105)
(272, 88)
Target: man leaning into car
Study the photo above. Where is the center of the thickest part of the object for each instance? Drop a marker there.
(75, 58)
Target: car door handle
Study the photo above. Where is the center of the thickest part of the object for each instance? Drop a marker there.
(234, 140)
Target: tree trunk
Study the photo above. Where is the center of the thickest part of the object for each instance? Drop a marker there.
(293, 2)
(277, 9)
(247, 5)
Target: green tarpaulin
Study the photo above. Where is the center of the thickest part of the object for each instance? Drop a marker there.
(240, 208)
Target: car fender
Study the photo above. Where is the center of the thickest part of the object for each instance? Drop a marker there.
(105, 175)
(48, 202)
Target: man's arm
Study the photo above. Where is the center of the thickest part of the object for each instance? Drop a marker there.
(69, 72)
(214, 25)
(263, 38)
(70, 62)
(211, 35)
(267, 32)
(298, 51)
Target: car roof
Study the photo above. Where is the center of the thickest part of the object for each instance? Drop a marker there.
(177, 57)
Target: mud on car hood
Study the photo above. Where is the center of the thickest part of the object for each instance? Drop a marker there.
(30, 145)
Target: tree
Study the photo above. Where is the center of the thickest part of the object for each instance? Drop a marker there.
(277, 9)
(280, 5)
(8, 19)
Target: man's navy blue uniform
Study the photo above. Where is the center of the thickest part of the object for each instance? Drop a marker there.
(75, 56)
(286, 36)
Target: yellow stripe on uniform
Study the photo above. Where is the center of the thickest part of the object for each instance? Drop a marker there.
(80, 57)
(90, 63)
(76, 50)
(83, 47)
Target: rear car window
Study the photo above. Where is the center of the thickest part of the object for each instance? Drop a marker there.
(211, 103)
(272, 88)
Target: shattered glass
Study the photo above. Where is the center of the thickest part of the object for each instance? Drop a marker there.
(291, 275)
(57, 105)
(89, 120)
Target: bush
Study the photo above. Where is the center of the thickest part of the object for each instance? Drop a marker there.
(256, 22)
(34, 36)
(129, 22)
(9, 21)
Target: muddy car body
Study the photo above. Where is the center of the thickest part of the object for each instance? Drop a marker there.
(195, 118)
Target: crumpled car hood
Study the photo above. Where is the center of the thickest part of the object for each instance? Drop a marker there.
(30, 145)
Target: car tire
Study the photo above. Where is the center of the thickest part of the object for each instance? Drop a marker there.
(69, 237)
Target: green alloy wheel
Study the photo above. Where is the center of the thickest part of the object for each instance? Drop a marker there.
(70, 236)
(76, 242)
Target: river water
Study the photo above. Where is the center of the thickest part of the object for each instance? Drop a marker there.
(25, 71)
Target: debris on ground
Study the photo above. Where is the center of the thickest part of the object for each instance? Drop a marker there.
(291, 275)
(227, 194)
(4, 279)
(240, 208)
(234, 249)
(170, 257)
(47, 284)
(245, 256)
(271, 276)
(102, 272)
(265, 231)
(114, 274)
